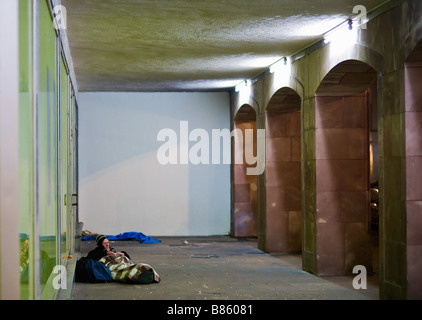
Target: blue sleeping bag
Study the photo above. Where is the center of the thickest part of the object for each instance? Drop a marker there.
(89, 270)
(138, 236)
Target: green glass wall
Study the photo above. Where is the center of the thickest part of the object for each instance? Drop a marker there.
(26, 159)
(64, 128)
(46, 152)
(47, 147)
(72, 166)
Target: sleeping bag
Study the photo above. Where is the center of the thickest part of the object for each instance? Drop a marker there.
(90, 270)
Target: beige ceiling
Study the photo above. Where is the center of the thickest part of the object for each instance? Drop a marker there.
(182, 45)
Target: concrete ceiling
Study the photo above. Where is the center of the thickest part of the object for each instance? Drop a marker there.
(196, 45)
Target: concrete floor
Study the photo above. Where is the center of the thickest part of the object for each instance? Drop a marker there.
(218, 268)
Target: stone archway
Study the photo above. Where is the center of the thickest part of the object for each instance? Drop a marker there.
(283, 172)
(344, 139)
(245, 188)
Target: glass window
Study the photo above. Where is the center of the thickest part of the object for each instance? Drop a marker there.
(47, 151)
(64, 114)
(26, 169)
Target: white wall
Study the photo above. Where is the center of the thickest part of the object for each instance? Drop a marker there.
(122, 185)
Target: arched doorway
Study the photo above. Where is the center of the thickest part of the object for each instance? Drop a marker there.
(283, 172)
(413, 123)
(346, 168)
(245, 188)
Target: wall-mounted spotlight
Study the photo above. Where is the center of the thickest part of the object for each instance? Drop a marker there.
(244, 90)
(282, 71)
(350, 23)
(239, 87)
(279, 65)
(344, 33)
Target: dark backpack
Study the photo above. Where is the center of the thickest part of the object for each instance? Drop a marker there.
(90, 270)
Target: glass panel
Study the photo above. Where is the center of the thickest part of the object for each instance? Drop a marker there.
(64, 107)
(71, 164)
(78, 226)
(47, 151)
(26, 190)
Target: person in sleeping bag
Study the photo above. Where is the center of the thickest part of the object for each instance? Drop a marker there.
(120, 265)
(103, 249)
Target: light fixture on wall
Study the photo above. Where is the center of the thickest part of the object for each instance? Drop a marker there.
(281, 70)
(279, 65)
(343, 34)
(244, 90)
(241, 86)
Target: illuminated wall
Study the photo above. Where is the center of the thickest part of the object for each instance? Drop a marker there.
(124, 186)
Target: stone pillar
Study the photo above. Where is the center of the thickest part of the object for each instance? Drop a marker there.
(342, 174)
(245, 186)
(261, 192)
(392, 190)
(413, 121)
(283, 182)
(309, 253)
